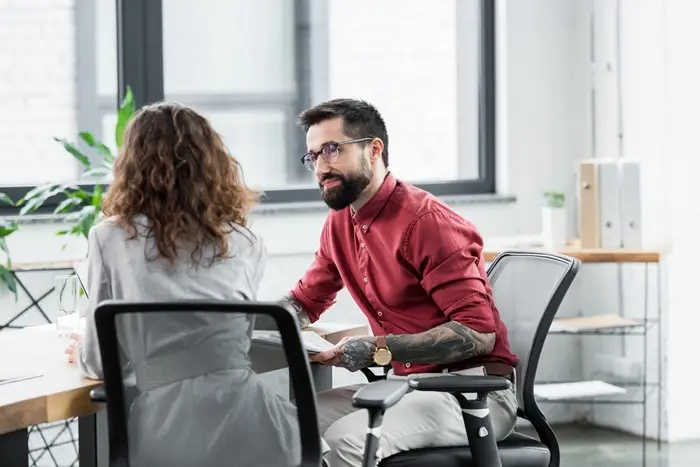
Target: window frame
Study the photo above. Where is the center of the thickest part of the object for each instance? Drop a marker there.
(140, 64)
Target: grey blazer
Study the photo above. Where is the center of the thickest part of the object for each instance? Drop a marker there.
(191, 395)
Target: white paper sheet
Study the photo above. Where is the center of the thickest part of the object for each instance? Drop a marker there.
(312, 341)
(576, 390)
(7, 378)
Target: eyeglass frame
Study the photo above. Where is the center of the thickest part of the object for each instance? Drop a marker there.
(319, 153)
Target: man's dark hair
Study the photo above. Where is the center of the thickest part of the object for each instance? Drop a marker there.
(360, 120)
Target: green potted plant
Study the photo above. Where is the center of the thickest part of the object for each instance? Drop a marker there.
(81, 208)
(7, 229)
(554, 227)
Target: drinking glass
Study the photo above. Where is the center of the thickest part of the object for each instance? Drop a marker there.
(68, 316)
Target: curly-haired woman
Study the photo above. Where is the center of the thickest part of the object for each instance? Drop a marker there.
(176, 229)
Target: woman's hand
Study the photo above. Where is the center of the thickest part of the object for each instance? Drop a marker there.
(73, 349)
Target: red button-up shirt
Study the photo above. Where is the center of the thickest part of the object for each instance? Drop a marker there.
(411, 264)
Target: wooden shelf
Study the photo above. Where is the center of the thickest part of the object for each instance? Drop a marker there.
(591, 255)
(595, 323)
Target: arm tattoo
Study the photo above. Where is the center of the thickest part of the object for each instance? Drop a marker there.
(357, 353)
(447, 343)
(302, 314)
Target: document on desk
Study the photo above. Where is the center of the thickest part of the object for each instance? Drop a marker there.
(7, 378)
(313, 343)
(576, 390)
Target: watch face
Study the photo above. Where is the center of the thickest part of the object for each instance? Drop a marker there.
(382, 357)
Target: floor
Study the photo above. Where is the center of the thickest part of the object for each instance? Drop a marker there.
(588, 446)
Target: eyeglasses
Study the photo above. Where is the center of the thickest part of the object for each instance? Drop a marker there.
(329, 151)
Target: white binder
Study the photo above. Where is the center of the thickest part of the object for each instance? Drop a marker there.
(609, 204)
(630, 197)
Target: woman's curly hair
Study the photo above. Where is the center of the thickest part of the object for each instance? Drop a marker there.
(175, 170)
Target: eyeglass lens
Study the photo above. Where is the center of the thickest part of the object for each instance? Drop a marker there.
(329, 152)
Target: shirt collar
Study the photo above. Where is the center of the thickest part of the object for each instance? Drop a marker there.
(367, 213)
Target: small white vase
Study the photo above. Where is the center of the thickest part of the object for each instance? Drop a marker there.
(554, 227)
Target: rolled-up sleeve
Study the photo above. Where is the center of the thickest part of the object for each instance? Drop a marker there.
(446, 251)
(90, 361)
(320, 285)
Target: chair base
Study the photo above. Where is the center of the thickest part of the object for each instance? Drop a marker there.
(516, 451)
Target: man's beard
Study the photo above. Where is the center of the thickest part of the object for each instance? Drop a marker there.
(349, 189)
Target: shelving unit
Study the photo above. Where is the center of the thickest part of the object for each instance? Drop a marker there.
(616, 325)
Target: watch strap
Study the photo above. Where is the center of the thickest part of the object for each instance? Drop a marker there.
(381, 342)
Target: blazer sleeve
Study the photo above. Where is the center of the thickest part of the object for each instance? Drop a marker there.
(90, 361)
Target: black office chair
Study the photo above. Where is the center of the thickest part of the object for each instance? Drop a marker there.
(179, 383)
(528, 289)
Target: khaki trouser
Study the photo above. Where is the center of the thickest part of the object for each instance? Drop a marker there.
(420, 419)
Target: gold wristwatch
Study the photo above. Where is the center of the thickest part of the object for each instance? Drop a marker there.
(382, 355)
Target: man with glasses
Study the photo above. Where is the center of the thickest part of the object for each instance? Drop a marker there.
(415, 268)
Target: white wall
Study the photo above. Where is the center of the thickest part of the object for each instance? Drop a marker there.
(655, 110)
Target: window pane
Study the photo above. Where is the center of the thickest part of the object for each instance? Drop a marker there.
(106, 11)
(38, 91)
(233, 61)
(228, 46)
(257, 139)
(109, 123)
(418, 62)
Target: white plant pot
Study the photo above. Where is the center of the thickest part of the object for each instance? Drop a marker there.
(554, 227)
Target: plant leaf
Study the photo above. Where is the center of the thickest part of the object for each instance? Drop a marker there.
(85, 196)
(88, 220)
(93, 142)
(8, 278)
(6, 199)
(82, 158)
(97, 172)
(38, 196)
(7, 229)
(126, 111)
(97, 197)
(67, 205)
(32, 205)
(36, 191)
(84, 220)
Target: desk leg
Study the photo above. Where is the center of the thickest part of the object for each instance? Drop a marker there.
(14, 449)
(93, 442)
(322, 376)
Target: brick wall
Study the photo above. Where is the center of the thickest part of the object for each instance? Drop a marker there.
(37, 90)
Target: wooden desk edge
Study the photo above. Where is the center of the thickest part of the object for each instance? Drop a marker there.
(50, 408)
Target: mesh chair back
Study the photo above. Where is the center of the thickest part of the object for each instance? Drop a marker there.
(198, 383)
(528, 288)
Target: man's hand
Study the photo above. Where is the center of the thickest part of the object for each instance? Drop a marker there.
(351, 353)
(73, 349)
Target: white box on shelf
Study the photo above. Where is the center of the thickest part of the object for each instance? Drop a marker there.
(554, 227)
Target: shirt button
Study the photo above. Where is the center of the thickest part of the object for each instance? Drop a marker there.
(362, 245)
(364, 227)
(379, 313)
(366, 280)
(408, 365)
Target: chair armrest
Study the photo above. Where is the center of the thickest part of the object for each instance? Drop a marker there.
(371, 375)
(460, 383)
(98, 394)
(380, 394)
